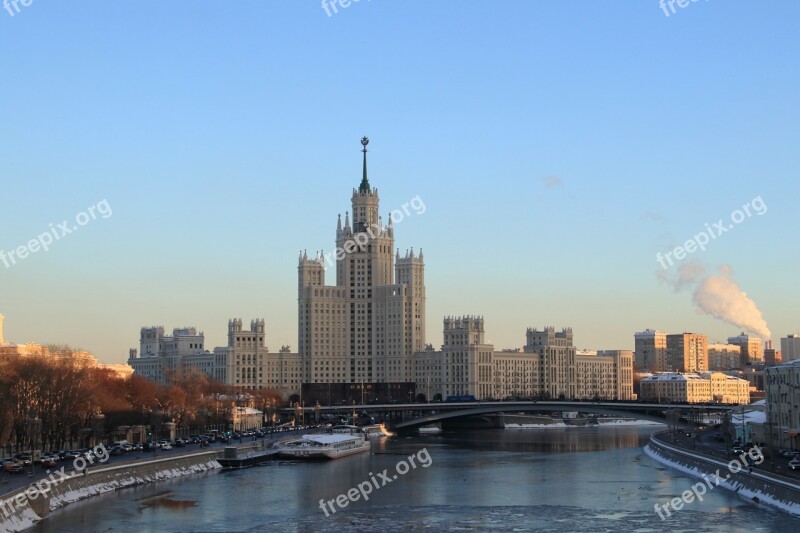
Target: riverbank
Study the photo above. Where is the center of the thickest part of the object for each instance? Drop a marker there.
(25, 507)
(757, 486)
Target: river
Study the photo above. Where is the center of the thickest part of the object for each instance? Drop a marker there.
(575, 479)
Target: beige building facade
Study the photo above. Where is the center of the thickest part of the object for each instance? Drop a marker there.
(695, 387)
(650, 348)
(724, 357)
(752, 349)
(547, 367)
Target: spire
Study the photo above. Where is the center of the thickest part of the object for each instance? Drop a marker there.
(339, 225)
(364, 187)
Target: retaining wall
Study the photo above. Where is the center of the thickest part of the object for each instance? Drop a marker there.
(757, 486)
(19, 512)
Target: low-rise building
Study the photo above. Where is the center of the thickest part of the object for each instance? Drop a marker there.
(699, 387)
(246, 418)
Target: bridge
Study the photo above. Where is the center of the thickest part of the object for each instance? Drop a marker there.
(410, 416)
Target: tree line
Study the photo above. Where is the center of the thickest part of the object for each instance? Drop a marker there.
(52, 401)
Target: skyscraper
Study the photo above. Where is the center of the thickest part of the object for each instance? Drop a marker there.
(366, 327)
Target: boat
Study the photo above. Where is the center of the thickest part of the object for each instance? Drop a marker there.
(232, 459)
(376, 430)
(340, 442)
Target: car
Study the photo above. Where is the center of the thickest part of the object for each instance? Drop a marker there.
(794, 464)
(166, 446)
(116, 450)
(138, 447)
(180, 443)
(13, 467)
(127, 448)
(737, 450)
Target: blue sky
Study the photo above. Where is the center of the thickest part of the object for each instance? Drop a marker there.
(558, 146)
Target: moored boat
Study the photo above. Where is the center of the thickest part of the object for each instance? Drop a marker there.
(233, 459)
(340, 442)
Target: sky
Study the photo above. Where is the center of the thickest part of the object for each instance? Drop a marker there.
(558, 147)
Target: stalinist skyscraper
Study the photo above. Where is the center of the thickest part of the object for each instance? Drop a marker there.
(367, 327)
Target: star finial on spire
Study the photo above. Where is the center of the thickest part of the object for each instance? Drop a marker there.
(364, 187)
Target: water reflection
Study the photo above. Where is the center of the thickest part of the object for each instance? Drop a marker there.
(578, 439)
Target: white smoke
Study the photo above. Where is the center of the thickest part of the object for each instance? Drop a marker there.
(719, 296)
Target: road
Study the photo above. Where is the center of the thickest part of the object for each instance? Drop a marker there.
(705, 444)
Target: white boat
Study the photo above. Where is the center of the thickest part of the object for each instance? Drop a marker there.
(340, 442)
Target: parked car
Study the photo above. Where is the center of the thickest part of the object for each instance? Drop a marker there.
(794, 464)
(116, 450)
(127, 448)
(14, 467)
(166, 446)
(138, 447)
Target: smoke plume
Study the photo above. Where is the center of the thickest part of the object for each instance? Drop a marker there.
(721, 297)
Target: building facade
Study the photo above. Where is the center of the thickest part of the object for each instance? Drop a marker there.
(695, 387)
(752, 353)
(547, 367)
(650, 348)
(790, 347)
(782, 389)
(724, 357)
(772, 357)
(687, 352)
(245, 362)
